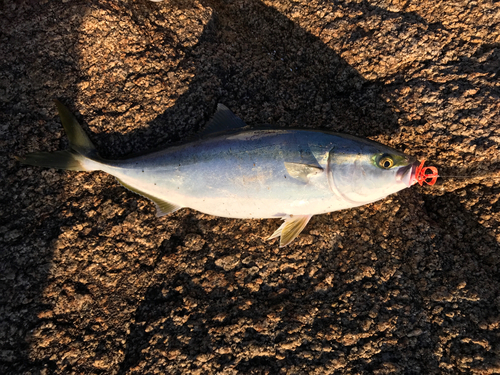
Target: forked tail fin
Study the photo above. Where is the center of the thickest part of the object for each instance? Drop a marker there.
(80, 147)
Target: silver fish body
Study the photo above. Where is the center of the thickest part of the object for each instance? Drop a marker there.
(238, 172)
(245, 175)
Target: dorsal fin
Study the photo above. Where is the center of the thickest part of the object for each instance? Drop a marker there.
(223, 120)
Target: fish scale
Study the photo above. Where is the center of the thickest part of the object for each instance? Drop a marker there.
(236, 171)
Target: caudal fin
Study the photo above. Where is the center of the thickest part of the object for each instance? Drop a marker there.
(80, 147)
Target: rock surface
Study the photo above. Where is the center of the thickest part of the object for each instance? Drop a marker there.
(92, 282)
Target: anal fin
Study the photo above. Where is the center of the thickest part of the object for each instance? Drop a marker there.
(162, 207)
(291, 228)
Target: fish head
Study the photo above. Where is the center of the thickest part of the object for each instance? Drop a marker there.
(363, 171)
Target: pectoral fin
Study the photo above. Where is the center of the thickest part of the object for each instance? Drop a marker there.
(291, 228)
(302, 172)
(162, 207)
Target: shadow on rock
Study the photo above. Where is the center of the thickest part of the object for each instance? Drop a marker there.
(214, 299)
(266, 68)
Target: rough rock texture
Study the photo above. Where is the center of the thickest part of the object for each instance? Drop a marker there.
(92, 282)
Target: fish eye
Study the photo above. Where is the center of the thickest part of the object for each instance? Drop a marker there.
(385, 162)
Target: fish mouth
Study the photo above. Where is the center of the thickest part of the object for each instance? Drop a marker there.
(407, 174)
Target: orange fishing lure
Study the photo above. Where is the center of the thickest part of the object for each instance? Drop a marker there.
(422, 176)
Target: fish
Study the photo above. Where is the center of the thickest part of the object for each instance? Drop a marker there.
(236, 171)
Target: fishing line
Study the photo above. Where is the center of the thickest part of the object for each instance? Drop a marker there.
(485, 176)
(421, 175)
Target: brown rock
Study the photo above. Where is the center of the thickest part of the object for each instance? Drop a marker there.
(92, 281)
